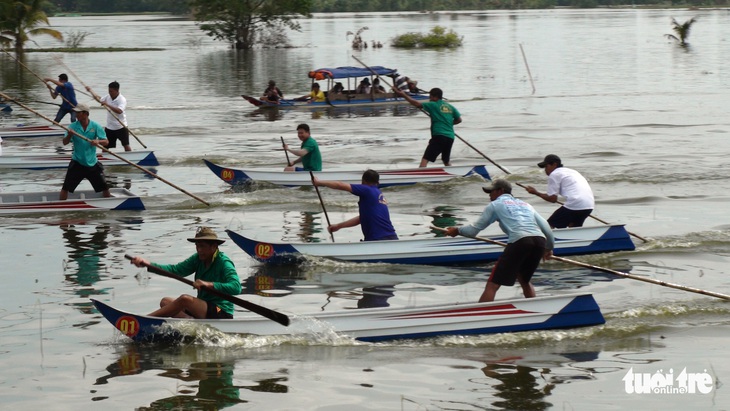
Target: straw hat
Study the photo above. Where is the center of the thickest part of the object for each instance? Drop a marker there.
(206, 234)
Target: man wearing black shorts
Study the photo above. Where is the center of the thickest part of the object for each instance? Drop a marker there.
(116, 117)
(529, 239)
(444, 117)
(86, 135)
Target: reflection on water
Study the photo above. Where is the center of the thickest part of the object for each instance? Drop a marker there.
(85, 250)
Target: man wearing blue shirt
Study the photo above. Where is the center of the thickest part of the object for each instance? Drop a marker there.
(84, 164)
(529, 239)
(373, 217)
(65, 89)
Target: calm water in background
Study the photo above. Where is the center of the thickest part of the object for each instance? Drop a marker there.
(643, 119)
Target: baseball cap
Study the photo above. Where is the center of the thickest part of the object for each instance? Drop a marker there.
(82, 107)
(549, 159)
(499, 184)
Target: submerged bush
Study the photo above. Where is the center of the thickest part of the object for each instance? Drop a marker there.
(438, 37)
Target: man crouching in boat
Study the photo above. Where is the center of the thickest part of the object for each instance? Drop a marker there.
(529, 239)
(212, 269)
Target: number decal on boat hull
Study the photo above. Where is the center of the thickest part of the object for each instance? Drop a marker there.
(264, 251)
(128, 325)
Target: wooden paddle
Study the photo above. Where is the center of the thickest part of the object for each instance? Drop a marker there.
(619, 273)
(254, 308)
(283, 145)
(321, 202)
(105, 149)
(98, 100)
(485, 156)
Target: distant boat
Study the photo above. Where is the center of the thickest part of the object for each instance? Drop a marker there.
(382, 324)
(388, 177)
(348, 97)
(431, 250)
(47, 202)
(23, 131)
(5, 108)
(41, 162)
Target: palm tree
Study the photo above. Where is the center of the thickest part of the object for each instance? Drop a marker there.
(19, 20)
(682, 31)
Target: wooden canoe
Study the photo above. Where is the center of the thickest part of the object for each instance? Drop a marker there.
(22, 131)
(432, 250)
(40, 161)
(388, 177)
(382, 324)
(47, 202)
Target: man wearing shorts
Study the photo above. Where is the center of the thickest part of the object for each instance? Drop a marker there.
(84, 164)
(570, 184)
(529, 239)
(444, 117)
(213, 271)
(116, 117)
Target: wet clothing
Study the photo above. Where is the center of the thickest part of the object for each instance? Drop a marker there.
(374, 215)
(221, 272)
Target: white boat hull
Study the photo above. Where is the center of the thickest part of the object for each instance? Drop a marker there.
(46, 202)
(40, 162)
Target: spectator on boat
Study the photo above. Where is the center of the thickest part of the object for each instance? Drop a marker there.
(529, 239)
(308, 153)
(363, 87)
(570, 184)
(377, 88)
(338, 88)
(213, 270)
(65, 89)
(406, 84)
(116, 117)
(373, 217)
(84, 164)
(316, 95)
(443, 118)
(272, 93)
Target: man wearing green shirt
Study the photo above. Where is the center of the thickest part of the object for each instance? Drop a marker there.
(444, 117)
(309, 154)
(213, 270)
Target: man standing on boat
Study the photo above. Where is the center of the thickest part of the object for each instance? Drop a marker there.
(444, 117)
(569, 184)
(373, 217)
(213, 270)
(308, 153)
(65, 89)
(529, 239)
(115, 129)
(84, 164)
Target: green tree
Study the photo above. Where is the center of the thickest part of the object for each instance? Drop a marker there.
(681, 31)
(19, 20)
(239, 21)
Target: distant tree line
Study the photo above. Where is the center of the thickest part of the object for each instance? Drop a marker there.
(329, 6)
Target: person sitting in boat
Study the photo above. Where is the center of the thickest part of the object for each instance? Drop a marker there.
(338, 88)
(272, 94)
(84, 163)
(405, 84)
(529, 239)
(373, 217)
(213, 270)
(377, 88)
(570, 184)
(363, 87)
(316, 95)
(308, 153)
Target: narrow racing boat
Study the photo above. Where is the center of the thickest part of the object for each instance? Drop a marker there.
(46, 202)
(32, 131)
(432, 250)
(388, 177)
(382, 324)
(45, 161)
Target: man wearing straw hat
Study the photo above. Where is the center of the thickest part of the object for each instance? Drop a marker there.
(84, 164)
(529, 239)
(213, 270)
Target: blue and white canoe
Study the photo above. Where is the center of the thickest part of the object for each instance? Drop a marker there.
(382, 324)
(22, 131)
(45, 161)
(48, 202)
(388, 177)
(432, 250)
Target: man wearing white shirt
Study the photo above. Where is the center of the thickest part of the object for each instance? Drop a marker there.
(567, 183)
(116, 130)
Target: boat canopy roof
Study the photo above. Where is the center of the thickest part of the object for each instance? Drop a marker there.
(347, 72)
